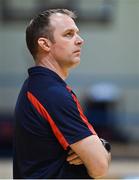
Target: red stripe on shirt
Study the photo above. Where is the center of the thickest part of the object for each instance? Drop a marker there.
(83, 117)
(43, 112)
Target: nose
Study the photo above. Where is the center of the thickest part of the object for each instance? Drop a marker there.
(79, 40)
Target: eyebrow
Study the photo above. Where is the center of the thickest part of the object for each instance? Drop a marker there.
(68, 30)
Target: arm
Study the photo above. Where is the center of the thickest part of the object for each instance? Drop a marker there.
(93, 154)
(88, 147)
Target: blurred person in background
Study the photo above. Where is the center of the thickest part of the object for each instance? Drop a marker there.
(52, 137)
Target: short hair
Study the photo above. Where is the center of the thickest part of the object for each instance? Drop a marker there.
(40, 26)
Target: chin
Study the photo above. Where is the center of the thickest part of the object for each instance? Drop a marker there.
(77, 60)
(76, 63)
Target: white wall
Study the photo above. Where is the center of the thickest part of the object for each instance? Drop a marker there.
(110, 53)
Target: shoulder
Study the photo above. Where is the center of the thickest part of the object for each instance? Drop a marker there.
(58, 94)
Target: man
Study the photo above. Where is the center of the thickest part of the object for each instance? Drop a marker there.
(53, 138)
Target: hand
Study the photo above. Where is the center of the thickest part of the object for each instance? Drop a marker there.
(73, 158)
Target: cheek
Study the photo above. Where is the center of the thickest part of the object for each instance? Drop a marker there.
(58, 46)
(58, 52)
(62, 49)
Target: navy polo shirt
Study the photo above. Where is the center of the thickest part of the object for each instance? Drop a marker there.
(48, 119)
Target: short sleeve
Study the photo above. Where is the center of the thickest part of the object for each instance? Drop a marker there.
(65, 116)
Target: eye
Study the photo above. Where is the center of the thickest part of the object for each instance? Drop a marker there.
(69, 34)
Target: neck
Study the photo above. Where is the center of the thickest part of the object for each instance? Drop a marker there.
(54, 66)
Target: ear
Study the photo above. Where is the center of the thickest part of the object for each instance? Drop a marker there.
(44, 43)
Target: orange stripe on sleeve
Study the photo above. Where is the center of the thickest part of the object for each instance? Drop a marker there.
(83, 117)
(43, 112)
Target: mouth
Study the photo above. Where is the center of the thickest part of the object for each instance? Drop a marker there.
(77, 51)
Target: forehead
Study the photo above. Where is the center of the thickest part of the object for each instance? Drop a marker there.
(62, 22)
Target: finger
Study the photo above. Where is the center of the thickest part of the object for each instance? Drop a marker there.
(76, 161)
(72, 156)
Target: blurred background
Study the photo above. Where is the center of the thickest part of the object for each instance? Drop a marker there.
(106, 82)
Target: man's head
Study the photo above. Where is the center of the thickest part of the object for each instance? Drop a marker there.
(54, 32)
(40, 26)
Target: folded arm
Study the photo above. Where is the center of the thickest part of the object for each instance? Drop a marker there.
(91, 152)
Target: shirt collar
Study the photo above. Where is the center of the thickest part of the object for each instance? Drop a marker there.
(36, 70)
